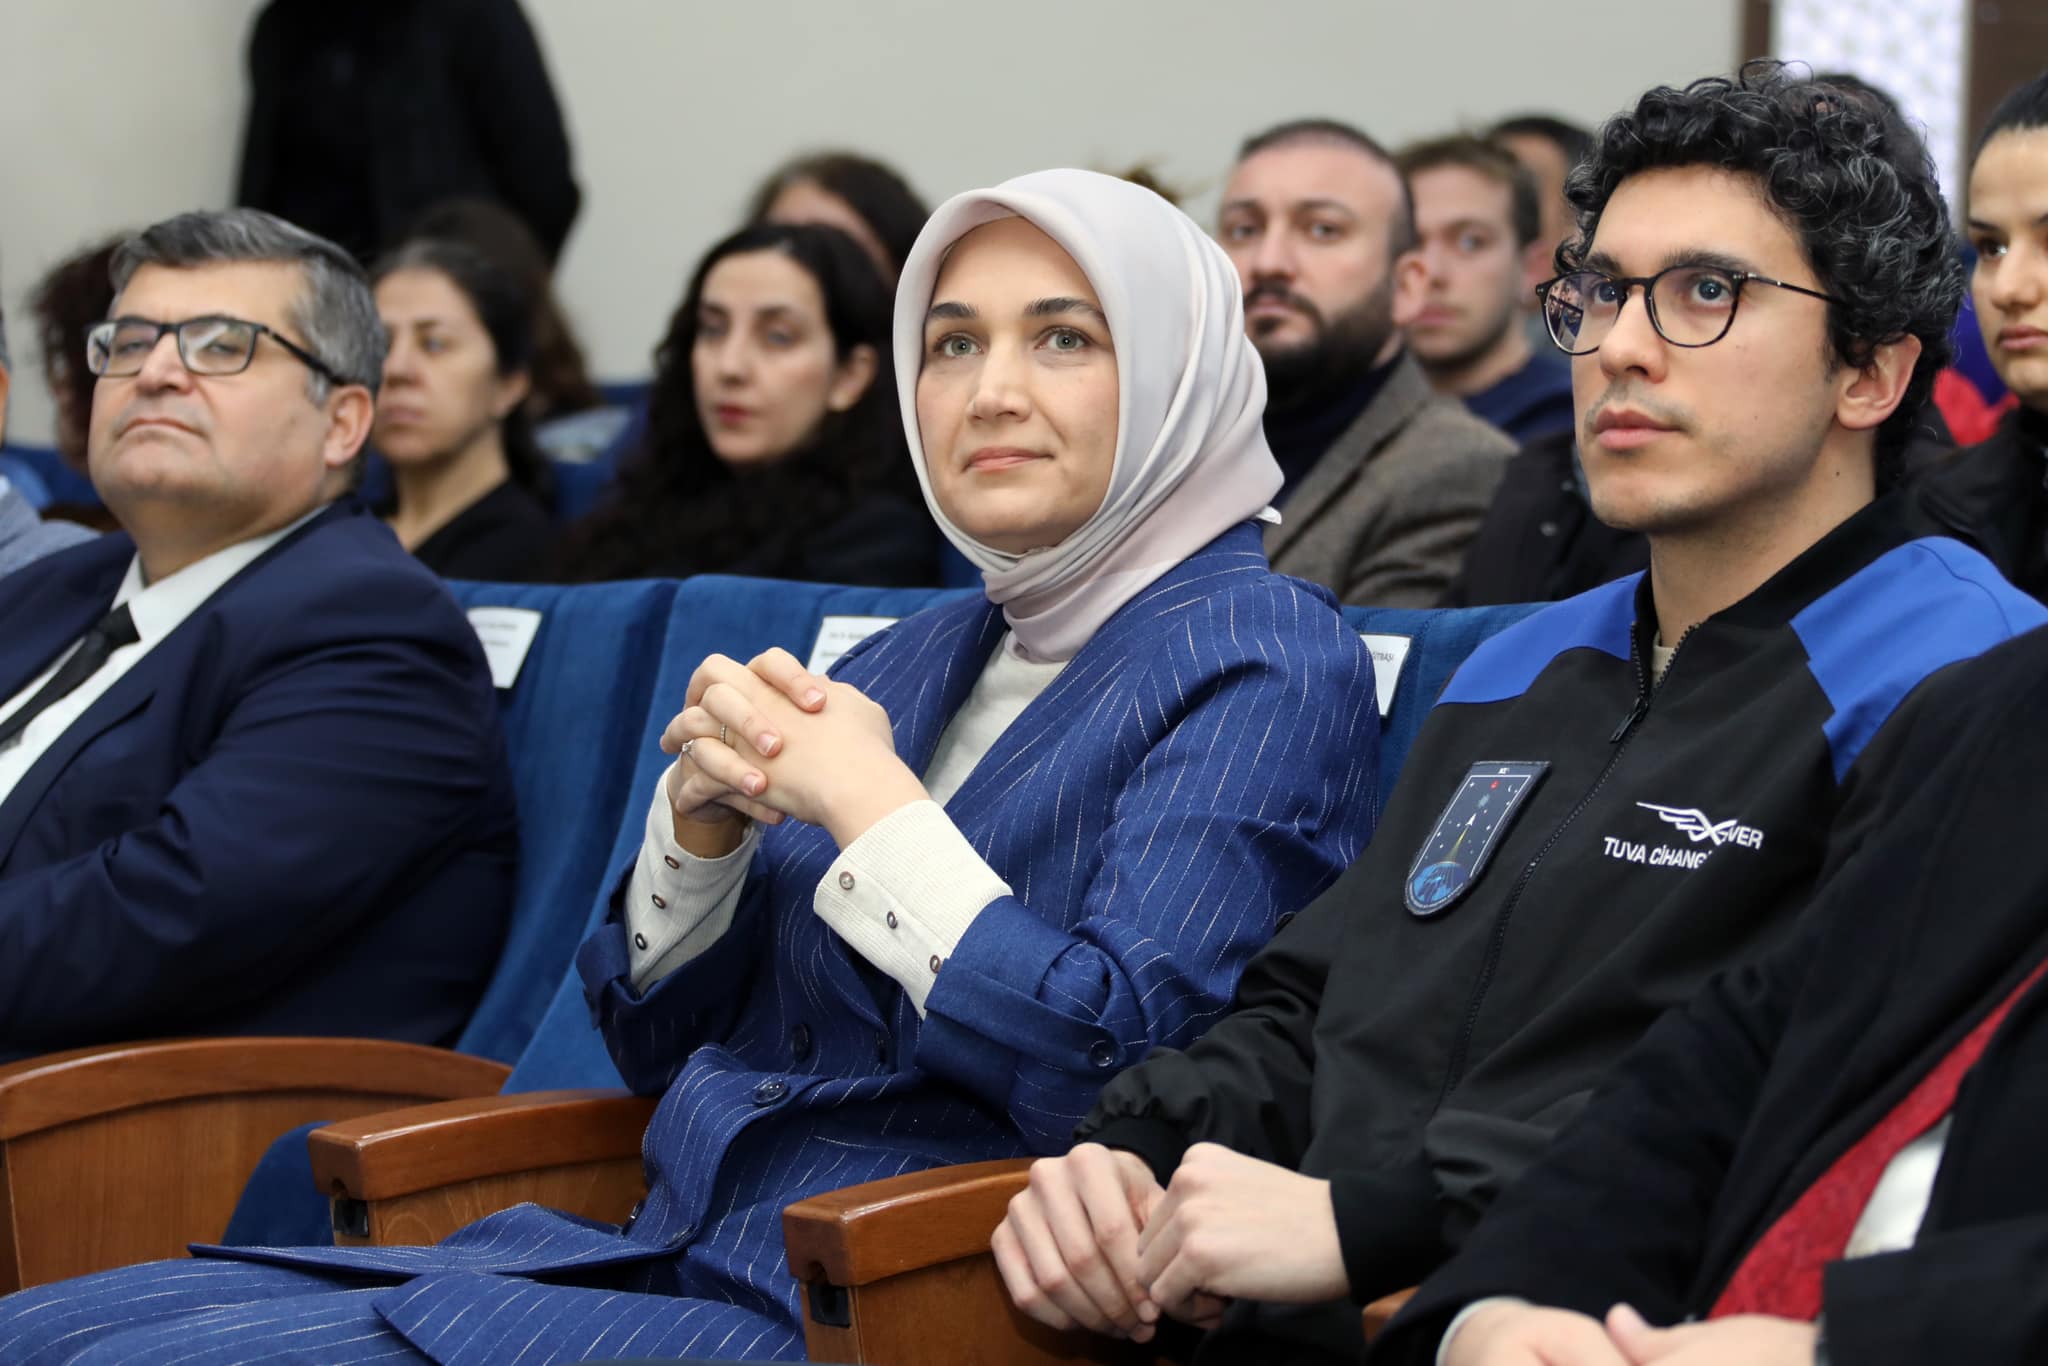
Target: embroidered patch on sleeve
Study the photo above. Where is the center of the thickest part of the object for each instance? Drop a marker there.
(1468, 831)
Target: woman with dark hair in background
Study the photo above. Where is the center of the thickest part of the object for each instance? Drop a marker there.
(1993, 494)
(468, 478)
(560, 374)
(774, 447)
(76, 294)
(861, 197)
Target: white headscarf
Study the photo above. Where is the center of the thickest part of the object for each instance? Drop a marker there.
(1191, 454)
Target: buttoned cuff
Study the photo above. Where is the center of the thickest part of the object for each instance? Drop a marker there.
(678, 905)
(1443, 1348)
(904, 893)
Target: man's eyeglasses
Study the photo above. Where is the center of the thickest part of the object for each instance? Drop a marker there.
(207, 346)
(1688, 305)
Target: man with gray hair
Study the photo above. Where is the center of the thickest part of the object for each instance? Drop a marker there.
(251, 775)
(23, 535)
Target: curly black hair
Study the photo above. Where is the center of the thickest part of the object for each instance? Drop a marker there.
(1851, 182)
(677, 509)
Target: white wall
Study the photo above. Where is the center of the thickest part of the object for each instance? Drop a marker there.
(116, 112)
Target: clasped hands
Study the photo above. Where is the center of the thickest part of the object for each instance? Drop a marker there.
(793, 745)
(1094, 1241)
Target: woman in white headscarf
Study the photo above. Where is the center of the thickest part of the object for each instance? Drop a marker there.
(919, 913)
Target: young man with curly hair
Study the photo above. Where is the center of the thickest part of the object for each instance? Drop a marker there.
(1792, 1169)
(1613, 799)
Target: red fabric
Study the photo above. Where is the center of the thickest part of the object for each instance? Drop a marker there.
(1781, 1275)
(1970, 419)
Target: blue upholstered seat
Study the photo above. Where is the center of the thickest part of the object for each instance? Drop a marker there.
(574, 722)
(740, 618)
(1439, 640)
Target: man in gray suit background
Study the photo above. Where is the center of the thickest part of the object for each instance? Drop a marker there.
(1386, 480)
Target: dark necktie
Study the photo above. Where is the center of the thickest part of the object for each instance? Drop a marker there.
(114, 630)
(1781, 1275)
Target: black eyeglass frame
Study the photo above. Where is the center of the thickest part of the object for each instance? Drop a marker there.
(1628, 283)
(177, 330)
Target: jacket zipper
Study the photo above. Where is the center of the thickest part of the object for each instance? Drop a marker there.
(1623, 733)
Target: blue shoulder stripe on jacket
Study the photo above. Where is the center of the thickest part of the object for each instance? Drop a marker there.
(1506, 664)
(1915, 609)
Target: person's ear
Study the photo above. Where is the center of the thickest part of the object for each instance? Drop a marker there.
(5, 381)
(512, 390)
(1536, 268)
(851, 379)
(349, 411)
(1411, 287)
(1871, 394)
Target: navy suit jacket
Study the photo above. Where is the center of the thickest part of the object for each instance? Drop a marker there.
(1203, 766)
(294, 815)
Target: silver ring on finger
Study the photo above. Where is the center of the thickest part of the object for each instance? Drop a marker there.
(684, 752)
(722, 734)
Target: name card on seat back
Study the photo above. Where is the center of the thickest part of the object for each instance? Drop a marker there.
(837, 635)
(1388, 653)
(507, 634)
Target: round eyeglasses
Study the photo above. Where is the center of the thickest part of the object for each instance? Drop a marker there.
(1688, 305)
(207, 346)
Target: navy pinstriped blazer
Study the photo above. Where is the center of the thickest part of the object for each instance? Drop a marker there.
(1204, 765)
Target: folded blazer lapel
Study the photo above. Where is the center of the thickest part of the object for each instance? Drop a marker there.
(1065, 707)
(928, 684)
(129, 695)
(49, 606)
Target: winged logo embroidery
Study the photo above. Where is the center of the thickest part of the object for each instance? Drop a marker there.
(1694, 823)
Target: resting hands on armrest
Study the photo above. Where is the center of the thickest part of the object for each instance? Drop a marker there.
(1096, 1241)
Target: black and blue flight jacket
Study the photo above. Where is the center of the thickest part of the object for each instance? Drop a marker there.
(1573, 848)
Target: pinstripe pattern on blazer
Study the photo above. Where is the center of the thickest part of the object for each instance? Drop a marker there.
(1204, 765)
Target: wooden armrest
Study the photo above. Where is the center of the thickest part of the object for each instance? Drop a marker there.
(417, 1175)
(1383, 1309)
(127, 1153)
(869, 1232)
(899, 1271)
(62, 1088)
(403, 1152)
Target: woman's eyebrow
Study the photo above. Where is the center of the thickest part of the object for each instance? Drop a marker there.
(1047, 308)
(951, 311)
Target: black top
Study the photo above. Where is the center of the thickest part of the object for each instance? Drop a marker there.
(884, 540)
(1540, 541)
(1733, 1105)
(1300, 434)
(503, 537)
(1995, 495)
(363, 115)
(1420, 1033)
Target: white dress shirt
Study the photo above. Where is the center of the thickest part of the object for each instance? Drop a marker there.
(902, 895)
(157, 609)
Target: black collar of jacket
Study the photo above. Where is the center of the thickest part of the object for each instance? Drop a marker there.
(1881, 525)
